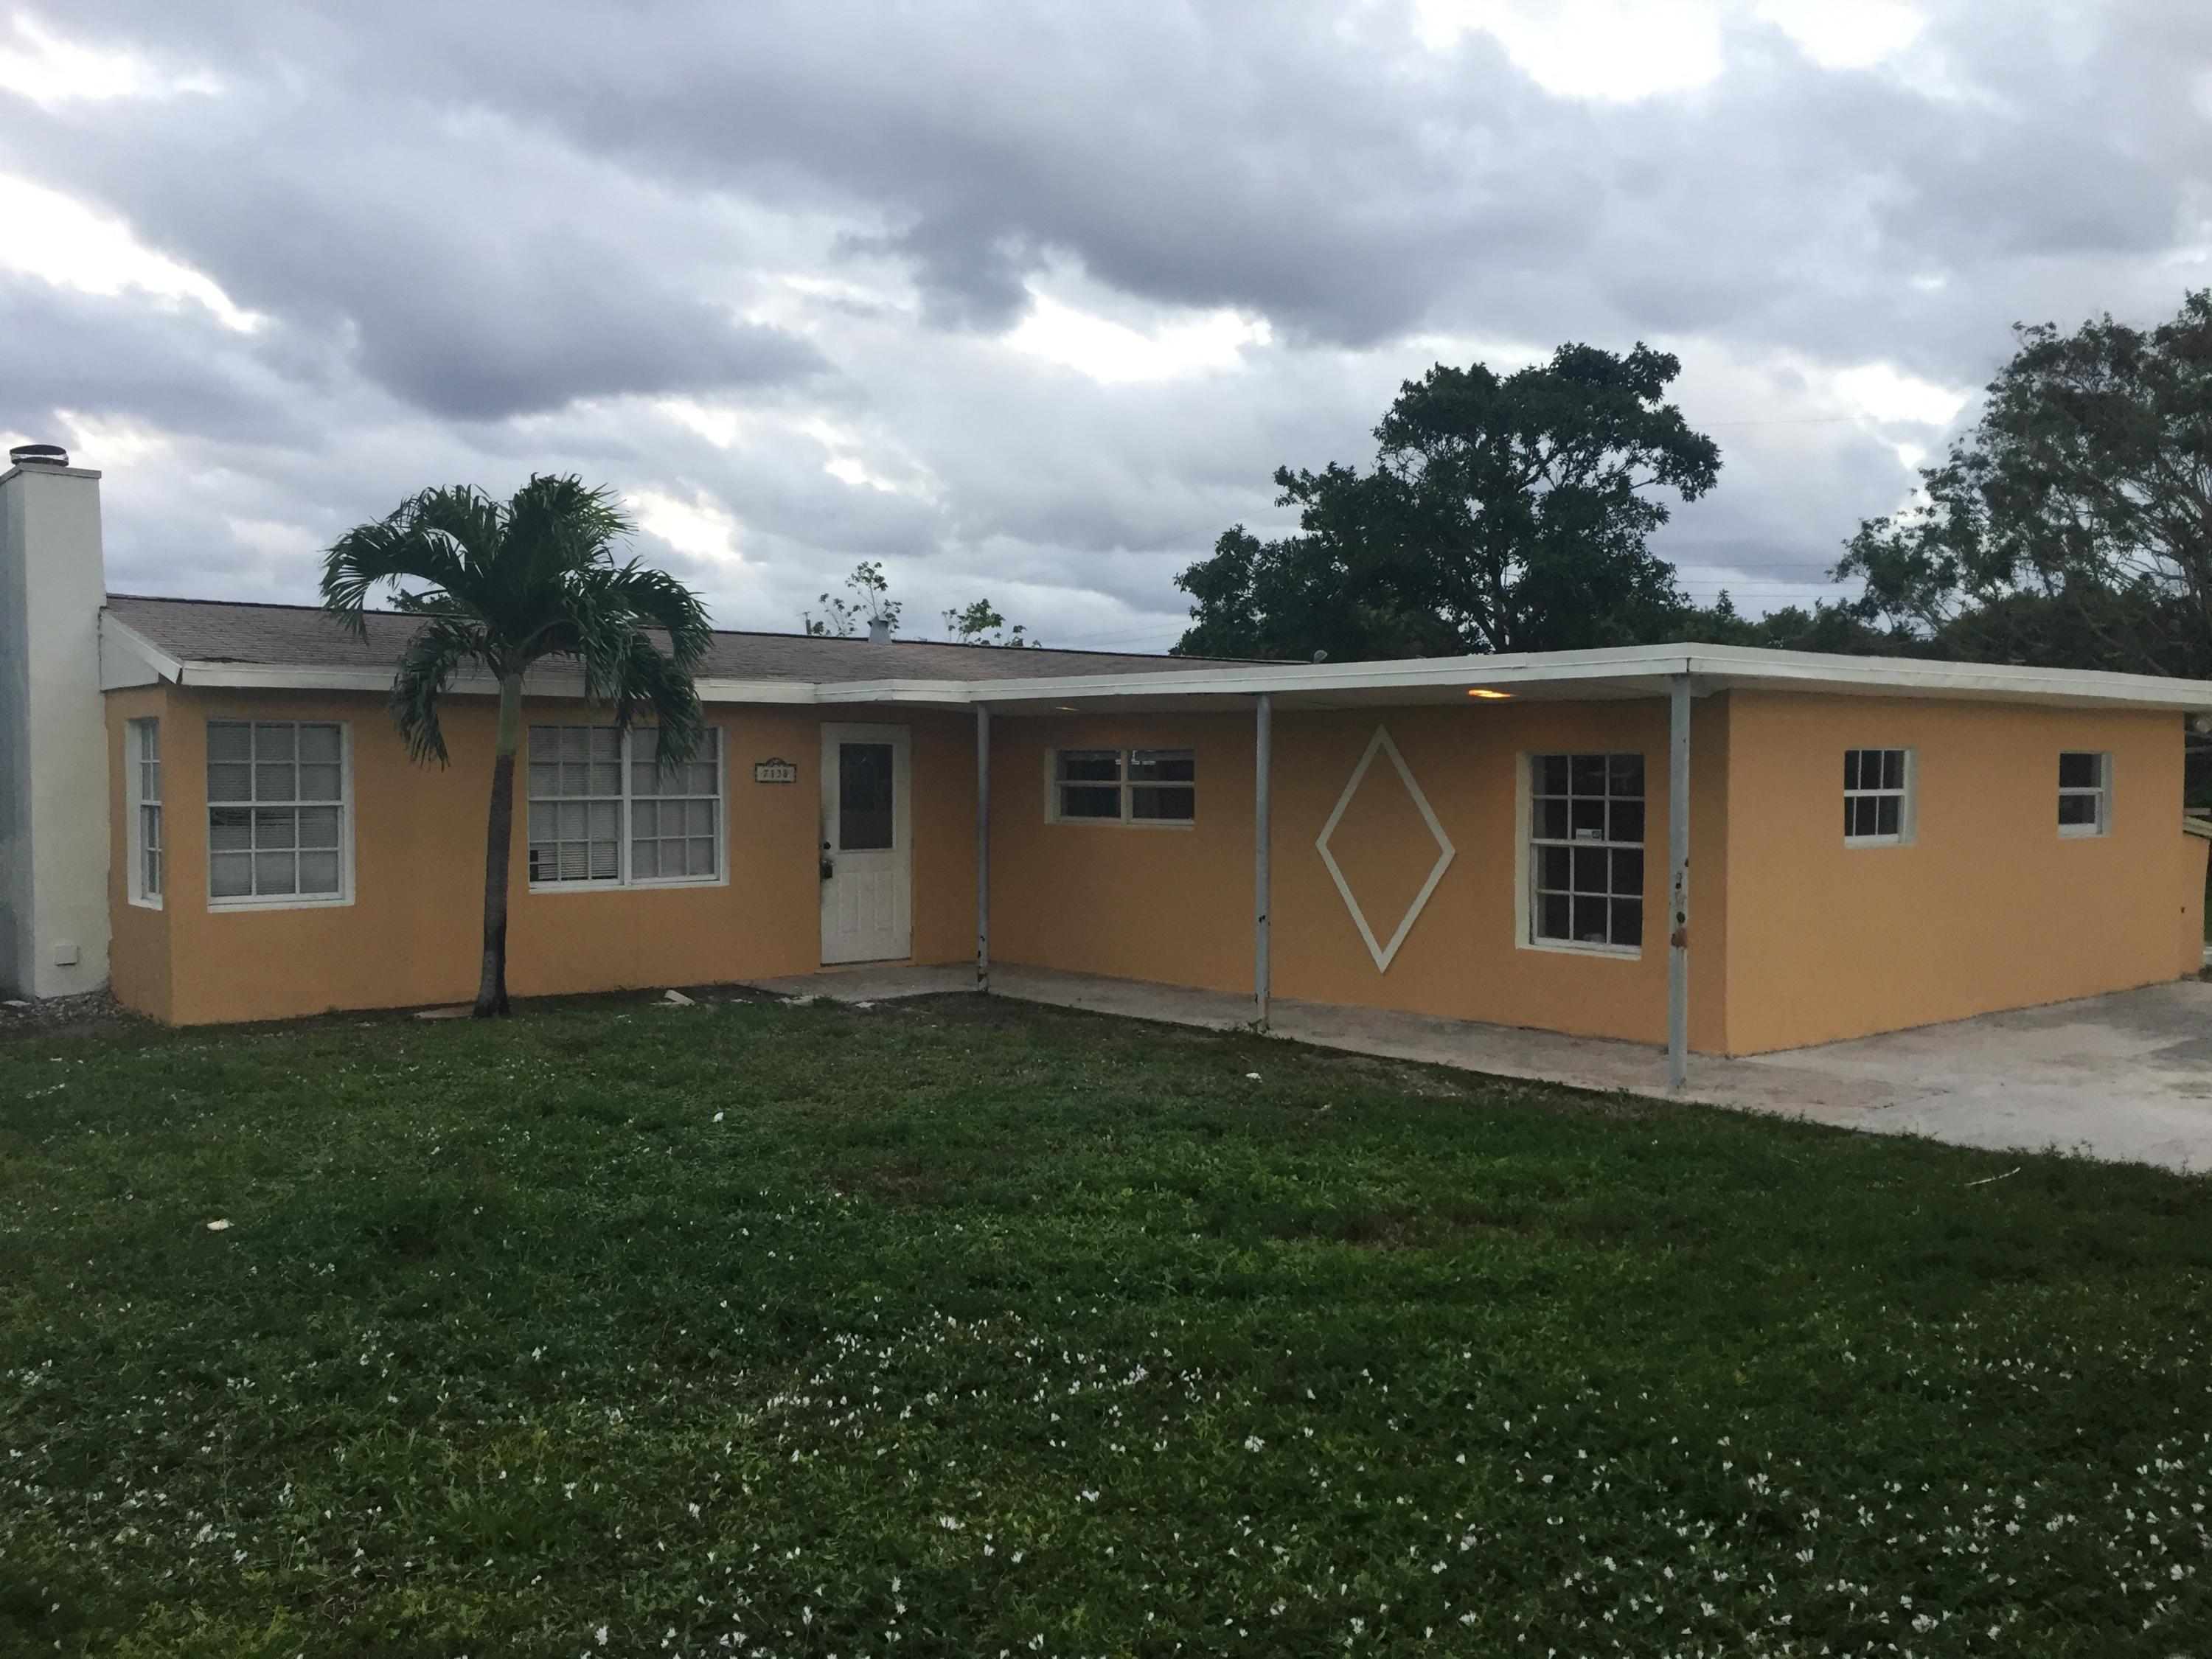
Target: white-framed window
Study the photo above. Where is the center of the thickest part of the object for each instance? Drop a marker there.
(1586, 853)
(2085, 793)
(601, 814)
(279, 830)
(142, 762)
(1877, 797)
(1123, 786)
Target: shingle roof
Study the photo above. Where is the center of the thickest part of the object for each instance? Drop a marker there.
(302, 636)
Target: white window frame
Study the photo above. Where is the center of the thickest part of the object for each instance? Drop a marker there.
(2101, 791)
(1907, 795)
(344, 804)
(1527, 870)
(143, 808)
(1123, 755)
(624, 880)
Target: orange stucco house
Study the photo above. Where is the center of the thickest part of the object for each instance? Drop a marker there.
(1722, 850)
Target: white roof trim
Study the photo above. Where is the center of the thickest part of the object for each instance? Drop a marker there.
(128, 658)
(1718, 666)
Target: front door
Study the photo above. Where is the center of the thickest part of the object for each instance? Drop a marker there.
(866, 844)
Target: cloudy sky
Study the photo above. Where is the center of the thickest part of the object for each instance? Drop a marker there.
(1029, 299)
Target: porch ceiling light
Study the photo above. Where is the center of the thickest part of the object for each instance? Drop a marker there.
(1487, 695)
(1383, 950)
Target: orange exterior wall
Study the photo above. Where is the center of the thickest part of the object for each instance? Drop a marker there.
(1794, 938)
(1987, 907)
(1176, 905)
(412, 934)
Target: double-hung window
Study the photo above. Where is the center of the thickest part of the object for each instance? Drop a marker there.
(1877, 797)
(142, 747)
(277, 813)
(1586, 852)
(2085, 793)
(602, 813)
(1124, 786)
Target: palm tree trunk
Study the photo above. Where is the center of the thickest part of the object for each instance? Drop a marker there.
(499, 839)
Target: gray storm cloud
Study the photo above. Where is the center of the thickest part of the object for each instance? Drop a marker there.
(1028, 300)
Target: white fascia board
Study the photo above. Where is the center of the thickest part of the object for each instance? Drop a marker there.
(779, 691)
(1719, 666)
(279, 676)
(1414, 673)
(128, 658)
(554, 683)
(1732, 664)
(1911, 675)
(956, 692)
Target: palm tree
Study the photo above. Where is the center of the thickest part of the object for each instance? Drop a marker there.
(503, 586)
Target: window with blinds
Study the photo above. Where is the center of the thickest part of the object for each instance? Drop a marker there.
(602, 813)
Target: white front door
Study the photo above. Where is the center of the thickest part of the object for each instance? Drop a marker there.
(867, 846)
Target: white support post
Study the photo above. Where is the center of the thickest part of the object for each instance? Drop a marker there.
(982, 847)
(1678, 903)
(1263, 742)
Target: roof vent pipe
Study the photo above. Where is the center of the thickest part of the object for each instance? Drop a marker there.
(879, 631)
(37, 455)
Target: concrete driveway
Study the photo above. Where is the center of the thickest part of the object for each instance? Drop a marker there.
(2126, 1077)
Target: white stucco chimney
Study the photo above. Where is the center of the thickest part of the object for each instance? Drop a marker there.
(53, 728)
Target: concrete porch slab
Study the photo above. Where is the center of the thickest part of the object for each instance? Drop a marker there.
(2126, 1077)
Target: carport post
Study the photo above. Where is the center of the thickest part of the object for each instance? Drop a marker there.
(1263, 758)
(982, 847)
(1678, 859)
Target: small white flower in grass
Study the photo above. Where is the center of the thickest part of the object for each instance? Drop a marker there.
(1253, 1442)
(218, 1226)
(948, 1523)
(718, 1117)
(602, 1634)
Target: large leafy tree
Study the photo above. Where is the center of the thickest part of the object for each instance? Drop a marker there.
(2073, 524)
(500, 586)
(1504, 513)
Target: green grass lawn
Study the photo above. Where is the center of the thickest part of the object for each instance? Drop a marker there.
(963, 1329)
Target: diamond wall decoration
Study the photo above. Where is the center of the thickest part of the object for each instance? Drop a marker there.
(1383, 953)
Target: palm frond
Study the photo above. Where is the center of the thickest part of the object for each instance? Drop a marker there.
(559, 525)
(667, 604)
(432, 538)
(508, 584)
(446, 642)
(650, 683)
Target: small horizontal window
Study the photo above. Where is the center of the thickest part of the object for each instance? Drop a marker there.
(1877, 797)
(1125, 786)
(2085, 793)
